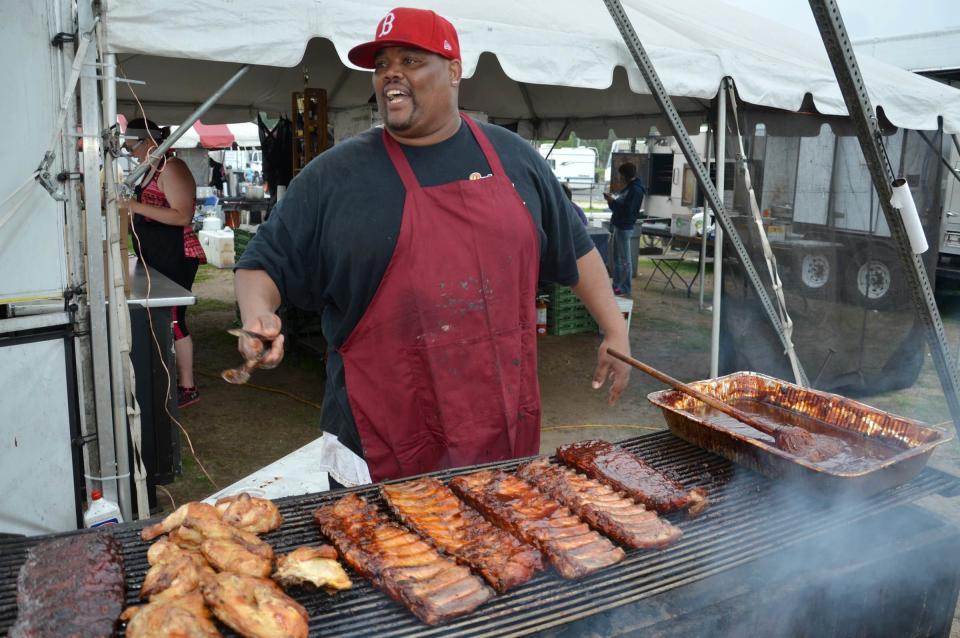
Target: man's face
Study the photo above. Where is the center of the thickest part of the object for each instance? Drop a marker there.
(416, 91)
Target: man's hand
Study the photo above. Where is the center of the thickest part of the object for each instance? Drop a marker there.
(267, 355)
(614, 369)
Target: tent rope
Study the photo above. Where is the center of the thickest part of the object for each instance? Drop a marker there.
(768, 255)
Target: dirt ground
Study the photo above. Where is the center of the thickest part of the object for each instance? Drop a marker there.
(235, 430)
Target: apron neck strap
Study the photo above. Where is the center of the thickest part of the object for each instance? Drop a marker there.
(402, 165)
(491, 155)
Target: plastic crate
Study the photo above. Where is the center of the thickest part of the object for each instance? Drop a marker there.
(573, 326)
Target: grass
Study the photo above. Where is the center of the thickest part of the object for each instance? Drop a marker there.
(211, 305)
(204, 273)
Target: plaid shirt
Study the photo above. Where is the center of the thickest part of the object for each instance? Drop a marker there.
(151, 195)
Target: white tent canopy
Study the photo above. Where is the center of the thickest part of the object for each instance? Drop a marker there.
(539, 63)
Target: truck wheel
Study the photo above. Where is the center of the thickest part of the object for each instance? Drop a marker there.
(874, 279)
(817, 275)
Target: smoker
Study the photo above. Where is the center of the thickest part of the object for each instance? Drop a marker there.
(764, 559)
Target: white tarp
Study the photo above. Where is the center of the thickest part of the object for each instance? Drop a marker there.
(539, 62)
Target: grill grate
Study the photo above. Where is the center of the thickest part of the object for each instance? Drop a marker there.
(746, 511)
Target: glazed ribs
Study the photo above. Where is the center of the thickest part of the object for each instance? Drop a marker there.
(71, 586)
(514, 505)
(603, 507)
(630, 474)
(399, 562)
(428, 507)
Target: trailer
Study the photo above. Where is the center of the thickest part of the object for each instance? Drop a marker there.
(574, 166)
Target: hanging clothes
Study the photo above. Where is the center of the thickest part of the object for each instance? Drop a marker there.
(277, 146)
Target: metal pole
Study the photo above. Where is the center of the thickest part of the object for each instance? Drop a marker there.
(707, 216)
(118, 315)
(96, 297)
(75, 246)
(721, 145)
(845, 66)
(943, 160)
(659, 93)
(159, 152)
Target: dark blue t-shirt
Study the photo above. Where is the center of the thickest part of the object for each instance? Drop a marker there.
(327, 243)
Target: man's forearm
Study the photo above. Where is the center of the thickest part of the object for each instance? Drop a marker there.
(256, 293)
(597, 295)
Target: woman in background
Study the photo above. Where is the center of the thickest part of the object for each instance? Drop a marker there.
(164, 239)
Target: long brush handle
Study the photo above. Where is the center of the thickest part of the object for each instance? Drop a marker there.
(679, 386)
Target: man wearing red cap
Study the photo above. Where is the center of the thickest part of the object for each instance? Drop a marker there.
(422, 244)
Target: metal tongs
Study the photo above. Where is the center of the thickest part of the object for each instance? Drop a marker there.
(241, 374)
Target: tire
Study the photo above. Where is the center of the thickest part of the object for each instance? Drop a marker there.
(874, 278)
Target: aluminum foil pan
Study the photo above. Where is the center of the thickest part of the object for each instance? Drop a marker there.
(905, 444)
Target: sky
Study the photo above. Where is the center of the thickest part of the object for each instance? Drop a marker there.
(863, 18)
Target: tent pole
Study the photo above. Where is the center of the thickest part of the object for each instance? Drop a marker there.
(74, 241)
(721, 146)
(659, 93)
(559, 135)
(110, 475)
(158, 152)
(845, 66)
(126, 409)
(707, 216)
(943, 160)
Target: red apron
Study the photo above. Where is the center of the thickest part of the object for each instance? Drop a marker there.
(441, 370)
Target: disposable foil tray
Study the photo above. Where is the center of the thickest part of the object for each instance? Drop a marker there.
(912, 441)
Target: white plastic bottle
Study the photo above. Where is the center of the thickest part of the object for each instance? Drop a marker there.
(101, 511)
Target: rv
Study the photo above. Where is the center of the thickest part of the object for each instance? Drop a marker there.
(576, 167)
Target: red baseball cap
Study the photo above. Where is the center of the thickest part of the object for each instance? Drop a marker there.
(418, 28)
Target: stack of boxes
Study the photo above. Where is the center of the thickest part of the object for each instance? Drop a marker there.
(566, 314)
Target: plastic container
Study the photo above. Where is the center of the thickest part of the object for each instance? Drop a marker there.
(101, 511)
(212, 221)
(218, 246)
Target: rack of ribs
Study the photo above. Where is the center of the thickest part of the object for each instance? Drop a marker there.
(428, 507)
(603, 507)
(630, 474)
(399, 562)
(71, 586)
(514, 505)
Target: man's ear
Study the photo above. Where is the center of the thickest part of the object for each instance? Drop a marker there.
(456, 71)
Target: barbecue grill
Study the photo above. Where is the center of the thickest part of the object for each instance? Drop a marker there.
(752, 521)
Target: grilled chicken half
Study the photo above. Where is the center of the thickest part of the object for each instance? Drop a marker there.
(174, 572)
(249, 513)
(255, 607)
(179, 617)
(317, 566)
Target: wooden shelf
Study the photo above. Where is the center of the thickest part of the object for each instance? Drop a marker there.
(309, 114)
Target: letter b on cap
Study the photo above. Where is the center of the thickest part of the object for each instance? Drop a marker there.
(386, 26)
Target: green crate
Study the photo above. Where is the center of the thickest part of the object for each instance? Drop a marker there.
(569, 312)
(573, 326)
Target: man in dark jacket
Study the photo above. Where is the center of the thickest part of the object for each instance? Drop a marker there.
(626, 210)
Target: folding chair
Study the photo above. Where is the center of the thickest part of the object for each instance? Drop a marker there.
(666, 267)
